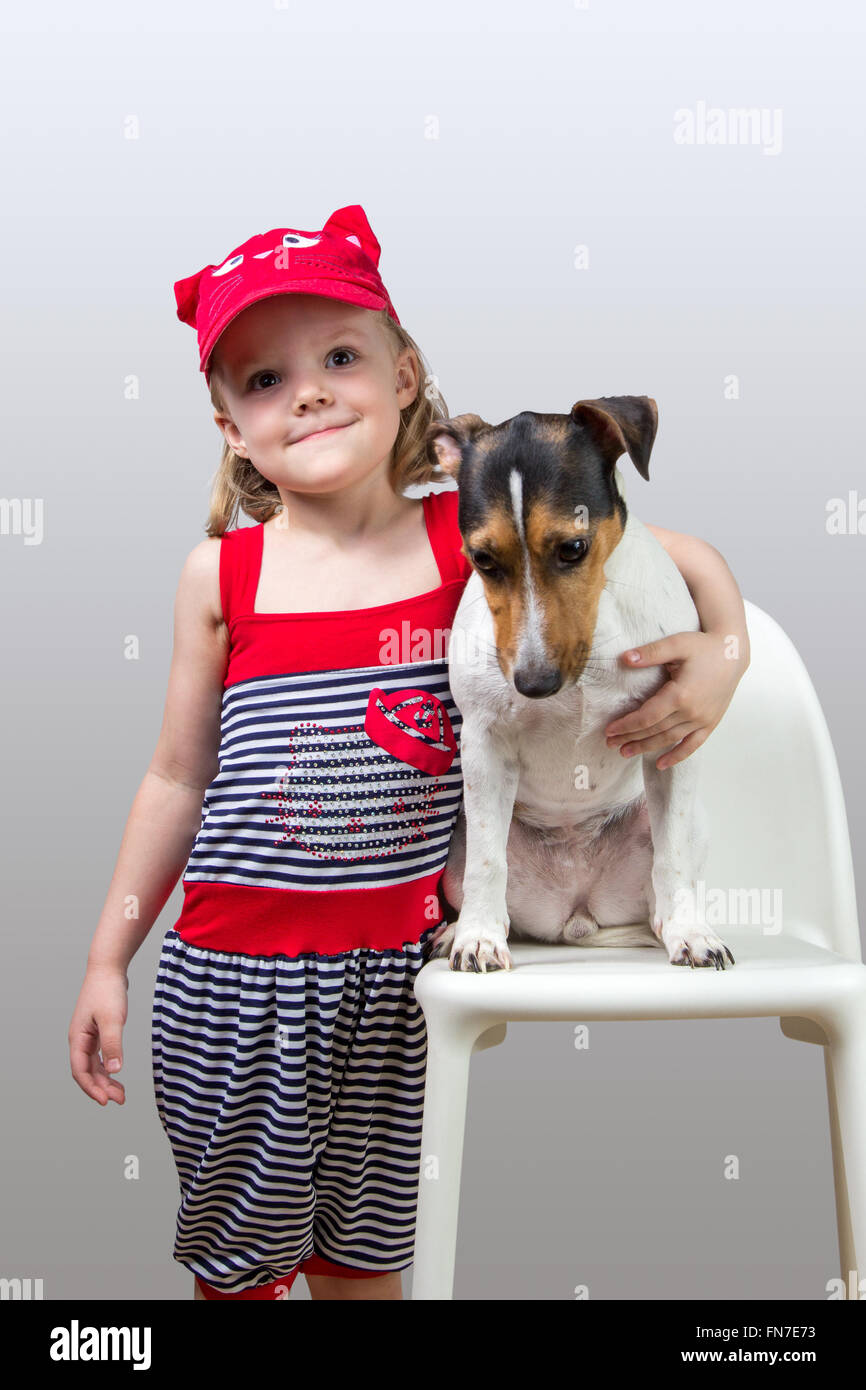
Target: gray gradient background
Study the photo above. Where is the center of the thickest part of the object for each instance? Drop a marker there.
(555, 128)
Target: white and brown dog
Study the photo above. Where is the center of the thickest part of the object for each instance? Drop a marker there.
(561, 838)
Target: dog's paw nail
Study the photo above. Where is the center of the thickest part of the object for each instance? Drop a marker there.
(730, 957)
(482, 956)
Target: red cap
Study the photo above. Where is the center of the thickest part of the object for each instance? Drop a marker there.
(339, 262)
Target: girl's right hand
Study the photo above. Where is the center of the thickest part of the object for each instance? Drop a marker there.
(98, 1023)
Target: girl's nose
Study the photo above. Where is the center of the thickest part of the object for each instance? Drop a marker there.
(311, 393)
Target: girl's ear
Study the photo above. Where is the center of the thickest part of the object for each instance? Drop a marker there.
(447, 440)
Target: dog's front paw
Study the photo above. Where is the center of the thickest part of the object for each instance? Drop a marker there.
(470, 947)
(694, 946)
(439, 943)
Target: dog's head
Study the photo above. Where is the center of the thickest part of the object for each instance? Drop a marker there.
(539, 511)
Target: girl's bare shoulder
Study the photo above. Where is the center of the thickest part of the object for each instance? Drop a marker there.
(199, 584)
(186, 750)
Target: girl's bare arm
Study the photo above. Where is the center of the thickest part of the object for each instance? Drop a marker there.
(163, 821)
(713, 588)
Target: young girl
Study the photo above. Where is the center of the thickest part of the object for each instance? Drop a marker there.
(306, 781)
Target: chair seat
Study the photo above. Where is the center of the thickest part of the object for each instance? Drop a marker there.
(772, 975)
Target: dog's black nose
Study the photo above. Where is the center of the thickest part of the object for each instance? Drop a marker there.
(536, 684)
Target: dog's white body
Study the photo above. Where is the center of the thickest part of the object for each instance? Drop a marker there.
(561, 836)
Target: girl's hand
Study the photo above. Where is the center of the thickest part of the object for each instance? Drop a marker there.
(704, 673)
(98, 1023)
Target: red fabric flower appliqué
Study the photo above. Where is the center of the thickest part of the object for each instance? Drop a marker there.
(414, 726)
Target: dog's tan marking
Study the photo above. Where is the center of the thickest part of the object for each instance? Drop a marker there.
(569, 599)
(500, 536)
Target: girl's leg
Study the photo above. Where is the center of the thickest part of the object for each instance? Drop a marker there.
(381, 1287)
(277, 1290)
(212, 1012)
(367, 1170)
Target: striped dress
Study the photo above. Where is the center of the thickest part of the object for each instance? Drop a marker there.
(288, 1047)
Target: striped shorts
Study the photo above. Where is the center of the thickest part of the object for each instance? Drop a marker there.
(291, 1090)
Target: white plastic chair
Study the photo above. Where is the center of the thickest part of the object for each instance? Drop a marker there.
(776, 812)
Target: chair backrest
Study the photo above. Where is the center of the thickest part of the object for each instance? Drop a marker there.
(777, 823)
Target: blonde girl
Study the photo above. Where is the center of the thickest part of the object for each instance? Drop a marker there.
(306, 781)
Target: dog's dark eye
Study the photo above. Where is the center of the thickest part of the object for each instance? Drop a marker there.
(570, 551)
(485, 561)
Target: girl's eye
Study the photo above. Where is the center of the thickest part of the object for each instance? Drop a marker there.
(342, 351)
(258, 376)
(335, 352)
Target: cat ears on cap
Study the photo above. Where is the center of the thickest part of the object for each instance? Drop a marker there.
(351, 222)
(186, 294)
(348, 223)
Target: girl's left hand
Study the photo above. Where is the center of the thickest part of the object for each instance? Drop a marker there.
(703, 677)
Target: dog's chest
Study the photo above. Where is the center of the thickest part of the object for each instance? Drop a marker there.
(567, 772)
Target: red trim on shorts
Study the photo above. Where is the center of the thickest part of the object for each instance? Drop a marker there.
(317, 1264)
(314, 1264)
(264, 1291)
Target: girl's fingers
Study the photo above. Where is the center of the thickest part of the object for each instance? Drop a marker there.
(88, 1070)
(111, 1088)
(675, 647)
(82, 1046)
(659, 707)
(688, 745)
(666, 740)
(670, 721)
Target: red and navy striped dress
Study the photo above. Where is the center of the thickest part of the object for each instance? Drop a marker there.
(288, 1048)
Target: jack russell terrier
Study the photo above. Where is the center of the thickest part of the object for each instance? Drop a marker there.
(560, 838)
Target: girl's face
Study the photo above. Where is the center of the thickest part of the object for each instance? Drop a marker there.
(293, 365)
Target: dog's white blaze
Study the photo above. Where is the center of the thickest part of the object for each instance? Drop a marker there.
(531, 647)
(515, 484)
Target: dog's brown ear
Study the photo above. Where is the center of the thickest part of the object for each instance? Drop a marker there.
(621, 423)
(446, 440)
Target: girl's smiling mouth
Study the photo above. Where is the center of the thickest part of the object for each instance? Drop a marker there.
(317, 434)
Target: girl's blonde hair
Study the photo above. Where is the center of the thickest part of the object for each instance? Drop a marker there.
(238, 486)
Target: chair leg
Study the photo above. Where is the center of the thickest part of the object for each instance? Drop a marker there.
(847, 1258)
(845, 1069)
(449, 1049)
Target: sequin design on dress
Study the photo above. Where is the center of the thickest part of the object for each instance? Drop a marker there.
(354, 792)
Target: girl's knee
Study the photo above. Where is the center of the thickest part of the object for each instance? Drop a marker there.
(379, 1286)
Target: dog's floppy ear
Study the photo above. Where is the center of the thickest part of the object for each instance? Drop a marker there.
(446, 440)
(621, 423)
